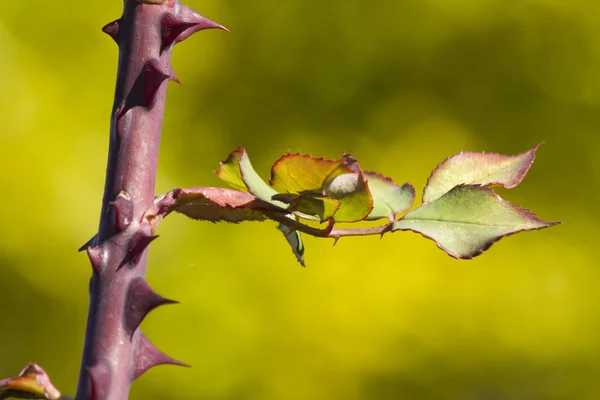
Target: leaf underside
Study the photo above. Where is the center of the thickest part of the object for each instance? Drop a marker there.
(486, 169)
(460, 211)
(468, 219)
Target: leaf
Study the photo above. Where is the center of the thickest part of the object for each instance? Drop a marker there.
(348, 185)
(230, 170)
(340, 180)
(211, 204)
(237, 168)
(315, 179)
(32, 383)
(310, 205)
(478, 168)
(389, 199)
(314, 205)
(297, 173)
(295, 240)
(468, 219)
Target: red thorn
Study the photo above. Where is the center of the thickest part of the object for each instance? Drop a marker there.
(141, 299)
(145, 89)
(329, 227)
(137, 245)
(387, 229)
(99, 376)
(335, 240)
(87, 244)
(148, 356)
(112, 30)
(123, 208)
(173, 77)
(186, 22)
(97, 258)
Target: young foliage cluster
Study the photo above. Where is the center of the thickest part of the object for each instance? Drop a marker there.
(459, 210)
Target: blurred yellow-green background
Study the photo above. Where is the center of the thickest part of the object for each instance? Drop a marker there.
(401, 85)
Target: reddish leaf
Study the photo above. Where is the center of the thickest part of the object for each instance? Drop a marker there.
(211, 204)
(486, 169)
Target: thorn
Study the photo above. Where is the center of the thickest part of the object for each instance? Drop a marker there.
(141, 299)
(387, 229)
(145, 89)
(330, 225)
(99, 376)
(96, 254)
(148, 356)
(173, 77)
(335, 240)
(123, 208)
(112, 30)
(137, 245)
(89, 243)
(176, 28)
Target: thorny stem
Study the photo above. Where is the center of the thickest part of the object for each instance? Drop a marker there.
(115, 351)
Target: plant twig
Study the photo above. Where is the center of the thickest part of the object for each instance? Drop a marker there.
(115, 351)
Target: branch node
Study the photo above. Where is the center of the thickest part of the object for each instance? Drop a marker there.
(123, 208)
(141, 299)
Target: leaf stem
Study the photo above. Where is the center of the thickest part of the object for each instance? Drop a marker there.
(329, 231)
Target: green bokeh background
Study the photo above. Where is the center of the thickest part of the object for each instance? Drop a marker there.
(401, 85)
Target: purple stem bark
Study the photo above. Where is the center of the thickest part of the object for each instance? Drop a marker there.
(115, 351)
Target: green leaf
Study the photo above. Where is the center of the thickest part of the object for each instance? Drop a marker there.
(254, 182)
(325, 188)
(298, 173)
(467, 220)
(348, 185)
(310, 205)
(320, 206)
(484, 169)
(389, 199)
(295, 240)
(237, 170)
(230, 170)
